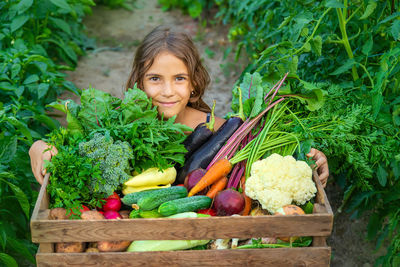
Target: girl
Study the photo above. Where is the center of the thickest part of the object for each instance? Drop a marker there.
(168, 68)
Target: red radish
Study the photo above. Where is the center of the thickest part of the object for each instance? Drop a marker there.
(112, 204)
(228, 202)
(112, 215)
(114, 195)
(193, 178)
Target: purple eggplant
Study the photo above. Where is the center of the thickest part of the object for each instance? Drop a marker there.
(203, 156)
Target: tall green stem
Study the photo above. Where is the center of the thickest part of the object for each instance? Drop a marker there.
(345, 39)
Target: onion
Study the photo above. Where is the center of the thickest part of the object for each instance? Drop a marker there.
(228, 202)
(112, 204)
(112, 215)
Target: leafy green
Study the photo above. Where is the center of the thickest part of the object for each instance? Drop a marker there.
(71, 175)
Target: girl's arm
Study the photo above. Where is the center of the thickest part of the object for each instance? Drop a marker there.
(38, 154)
(322, 164)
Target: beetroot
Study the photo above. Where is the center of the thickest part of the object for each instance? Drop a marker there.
(228, 202)
(112, 215)
(193, 178)
(112, 204)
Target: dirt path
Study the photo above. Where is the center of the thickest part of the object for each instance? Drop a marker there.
(118, 32)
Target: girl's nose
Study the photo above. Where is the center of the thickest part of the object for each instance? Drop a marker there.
(168, 89)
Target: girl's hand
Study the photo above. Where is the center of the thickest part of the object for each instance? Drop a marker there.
(322, 164)
(38, 154)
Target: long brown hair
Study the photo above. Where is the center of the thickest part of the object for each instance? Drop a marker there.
(180, 45)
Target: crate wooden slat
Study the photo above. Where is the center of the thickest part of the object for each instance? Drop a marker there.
(312, 256)
(319, 225)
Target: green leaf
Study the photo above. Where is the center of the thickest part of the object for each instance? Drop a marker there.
(20, 248)
(396, 169)
(15, 69)
(21, 197)
(345, 67)
(62, 3)
(31, 79)
(367, 47)
(8, 148)
(70, 52)
(3, 236)
(19, 91)
(49, 122)
(316, 45)
(24, 5)
(285, 22)
(6, 86)
(334, 4)
(61, 24)
(382, 175)
(42, 90)
(313, 95)
(377, 100)
(21, 127)
(18, 22)
(369, 10)
(374, 225)
(395, 30)
(8, 260)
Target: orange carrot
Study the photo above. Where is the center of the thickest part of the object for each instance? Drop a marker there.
(247, 200)
(217, 186)
(220, 169)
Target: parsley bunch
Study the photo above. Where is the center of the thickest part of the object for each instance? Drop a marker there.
(71, 174)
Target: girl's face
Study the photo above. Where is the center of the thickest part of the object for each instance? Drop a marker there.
(167, 82)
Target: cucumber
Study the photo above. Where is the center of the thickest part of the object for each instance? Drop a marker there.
(184, 204)
(132, 198)
(155, 198)
(149, 214)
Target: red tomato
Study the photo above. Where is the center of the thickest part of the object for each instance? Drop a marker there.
(180, 185)
(208, 211)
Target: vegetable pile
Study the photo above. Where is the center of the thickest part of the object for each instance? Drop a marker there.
(246, 168)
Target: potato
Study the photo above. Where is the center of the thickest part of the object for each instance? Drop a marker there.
(92, 250)
(58, 214)
(113, 246)
(124, 214)
(70, 247)
(91, 215)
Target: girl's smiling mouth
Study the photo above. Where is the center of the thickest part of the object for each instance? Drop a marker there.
(167, 104)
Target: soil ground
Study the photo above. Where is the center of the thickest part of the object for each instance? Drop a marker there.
(118, 33)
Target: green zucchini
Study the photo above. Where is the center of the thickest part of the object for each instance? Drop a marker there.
(184, 204)
(132, 198)
(155, 198)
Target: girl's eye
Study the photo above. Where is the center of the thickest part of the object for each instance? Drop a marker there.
(154, 78)
(180, 78)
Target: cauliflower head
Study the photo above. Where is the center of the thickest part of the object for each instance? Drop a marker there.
(277, 181)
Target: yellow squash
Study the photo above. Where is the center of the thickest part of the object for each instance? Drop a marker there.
(152, 177)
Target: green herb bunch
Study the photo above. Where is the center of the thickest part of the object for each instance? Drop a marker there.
(71, 175)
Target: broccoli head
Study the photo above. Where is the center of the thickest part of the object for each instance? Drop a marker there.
(113, 158)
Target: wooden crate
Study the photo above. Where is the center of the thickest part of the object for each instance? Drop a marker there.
(319, 225)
